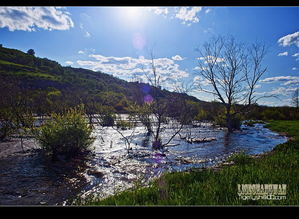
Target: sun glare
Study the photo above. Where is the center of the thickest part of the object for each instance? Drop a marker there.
(133, 14)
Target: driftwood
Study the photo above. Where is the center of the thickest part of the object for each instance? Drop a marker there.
(171, 145)
(200, 140)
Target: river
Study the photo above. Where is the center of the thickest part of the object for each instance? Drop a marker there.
(26, 179)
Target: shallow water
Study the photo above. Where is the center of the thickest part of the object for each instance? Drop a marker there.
(121, 171)
(26, 178)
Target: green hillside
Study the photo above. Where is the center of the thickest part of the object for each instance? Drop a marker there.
(41, 77)
(49, 87)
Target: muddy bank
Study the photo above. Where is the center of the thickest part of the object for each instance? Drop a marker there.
(27, 178)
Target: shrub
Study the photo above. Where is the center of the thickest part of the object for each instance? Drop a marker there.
(65, 134)
(6, 128)
(108, 119)
(236, 122)
(31, 52)
(7, 123)
(220, 119)
(123, 124)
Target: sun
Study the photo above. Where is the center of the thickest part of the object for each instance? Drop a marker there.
(132, 11)
(133, 14)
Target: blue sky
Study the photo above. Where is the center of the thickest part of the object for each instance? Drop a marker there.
(118, 40)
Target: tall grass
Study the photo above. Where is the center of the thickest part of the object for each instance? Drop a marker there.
(218, 186)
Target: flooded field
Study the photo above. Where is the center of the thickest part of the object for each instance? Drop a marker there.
(25, 178)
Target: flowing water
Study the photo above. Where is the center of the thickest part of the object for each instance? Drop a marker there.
(26, 179)
(121, 171)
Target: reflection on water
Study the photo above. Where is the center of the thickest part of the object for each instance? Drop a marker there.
(226, 139)
(25, 178)
(121, 171)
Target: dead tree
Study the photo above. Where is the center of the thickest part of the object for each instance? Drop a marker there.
(157, 108)
(232, 71)
(129, 124)
(295, 98)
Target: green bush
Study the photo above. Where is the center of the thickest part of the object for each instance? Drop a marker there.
(6, 129)
(235, 121)
(108, 119)
(123, 124)
(65, 134)
(220, 120)
(7, 123)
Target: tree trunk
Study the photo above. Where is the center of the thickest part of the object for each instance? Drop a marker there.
(229, 123)
(229, 120)
(22, 143)
(157, 144)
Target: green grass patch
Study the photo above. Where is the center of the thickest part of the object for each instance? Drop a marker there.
(2, 62)
(11, 68)
(252, 122)
(220, 186)
(33, 75)
(290, 128)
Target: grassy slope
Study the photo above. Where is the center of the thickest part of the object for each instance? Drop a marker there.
(25, 71)
(32, 72)
(219, 187)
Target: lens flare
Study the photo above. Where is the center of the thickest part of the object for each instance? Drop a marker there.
(138, 41)
(145, 88)
(148, 99)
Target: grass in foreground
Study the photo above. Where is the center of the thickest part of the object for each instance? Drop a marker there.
(219, 186)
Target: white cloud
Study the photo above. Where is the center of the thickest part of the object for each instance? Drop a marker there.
(86, 51)
(294, 68)
(288, 80)
(197, 80)
(291, 82)
(30, 18)
(211, 59)
(188, 14)
(208, 11)
(177, 58)
(198, 68)
(128, 67)
(289, 39)
(280, 102)
(87, 34)
(278, 91)
(283, 54)
(297, 56)
(69, 62)
(159, 10)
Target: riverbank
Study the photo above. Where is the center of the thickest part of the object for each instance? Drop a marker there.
(28, 178)
(219, 186)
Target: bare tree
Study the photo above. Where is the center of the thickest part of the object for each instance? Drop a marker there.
(126, 124)
(295, 98)
(156, 113)
(16, 114)
(233, 71)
